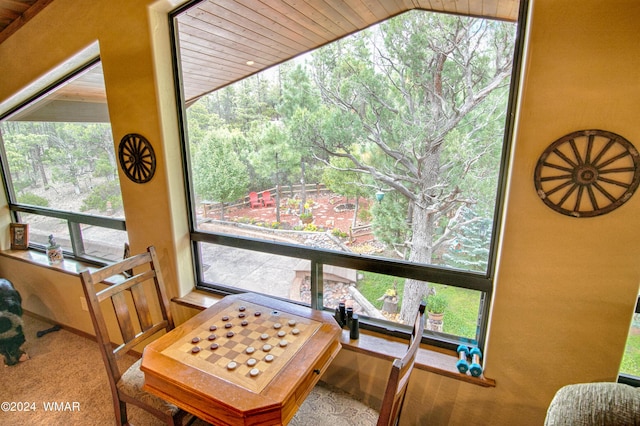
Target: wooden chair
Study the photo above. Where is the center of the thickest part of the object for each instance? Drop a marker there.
(344, 406)
(253, 200)
(126, 292)
(267, 200)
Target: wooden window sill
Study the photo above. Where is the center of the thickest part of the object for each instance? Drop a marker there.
(430, 358)
(68, 266)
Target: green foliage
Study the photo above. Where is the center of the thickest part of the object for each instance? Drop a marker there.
(46, 153)
(365, 215)
(469, 246)
(23, 144)
(218, 173)
(461, 315)
(270, 160)
(373, 286)
(32, 199)
(311, 227)
(72, 150)
(297, 93)
(342, 181)
(390, 219)
(406, 104)
(200, 118)
(436, 304)
(339, 233)
(101, 196)
(460, 318)
(473, 163)
(299, 111)
(104, 168)
(21, 185)
(631, 359)
(409, 105)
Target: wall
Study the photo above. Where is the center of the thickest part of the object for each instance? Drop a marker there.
(49, 293)
(556, 274)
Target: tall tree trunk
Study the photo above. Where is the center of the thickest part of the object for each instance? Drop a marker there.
(423, 224)
(355, 212)
(39, 168)
(421, 251)
(303, 188)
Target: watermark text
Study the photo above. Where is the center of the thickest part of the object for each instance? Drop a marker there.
(21, 406)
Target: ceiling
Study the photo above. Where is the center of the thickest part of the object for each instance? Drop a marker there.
(16, 13)
(223, 41)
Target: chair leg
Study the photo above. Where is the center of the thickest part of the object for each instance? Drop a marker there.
(121, 413)
(171, 421)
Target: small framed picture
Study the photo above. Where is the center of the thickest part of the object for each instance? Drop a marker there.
(19, 236)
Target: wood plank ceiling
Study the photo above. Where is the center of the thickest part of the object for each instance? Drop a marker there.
(223, 41)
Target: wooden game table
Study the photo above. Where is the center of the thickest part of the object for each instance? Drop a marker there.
(247, 360)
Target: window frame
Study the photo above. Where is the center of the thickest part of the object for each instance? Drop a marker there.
(73, 219)
(625, 378)
(482, 282)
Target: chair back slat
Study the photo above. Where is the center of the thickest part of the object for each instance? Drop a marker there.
(401, 369)
(140, 337)
(119, 302)
(142, 307)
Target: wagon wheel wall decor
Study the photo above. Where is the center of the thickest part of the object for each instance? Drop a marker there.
(137, 158)
(587, 173)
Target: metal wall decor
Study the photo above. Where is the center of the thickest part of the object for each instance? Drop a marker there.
(587, 173)
(137, 158)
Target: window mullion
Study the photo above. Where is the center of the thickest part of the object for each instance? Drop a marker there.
(75, 234)
(317, 288)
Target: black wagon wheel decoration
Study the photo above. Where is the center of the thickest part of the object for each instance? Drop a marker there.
(587, 173)
(137, 158)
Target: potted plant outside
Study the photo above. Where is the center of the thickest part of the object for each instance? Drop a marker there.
(436, 306)
(390, 300)
(306, 217)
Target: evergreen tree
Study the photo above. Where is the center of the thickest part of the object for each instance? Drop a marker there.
(297, 108)
(405, 91)
(468, 247)
(218, 173)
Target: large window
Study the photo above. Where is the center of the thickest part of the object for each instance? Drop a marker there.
(60, 168)
(367, 171)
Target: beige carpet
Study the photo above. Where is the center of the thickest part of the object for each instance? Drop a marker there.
(64, 368)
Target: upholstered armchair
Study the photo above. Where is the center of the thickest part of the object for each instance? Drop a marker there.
(595, 404)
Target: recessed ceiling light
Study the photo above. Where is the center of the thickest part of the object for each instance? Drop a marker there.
(250, 63)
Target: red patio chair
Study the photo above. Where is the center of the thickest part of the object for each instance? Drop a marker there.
(267, 200)
(254, 201)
